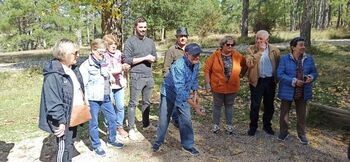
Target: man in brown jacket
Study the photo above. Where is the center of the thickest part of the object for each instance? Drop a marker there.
(175, 52)
(262, 62)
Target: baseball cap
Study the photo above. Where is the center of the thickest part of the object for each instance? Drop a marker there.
(193, 49)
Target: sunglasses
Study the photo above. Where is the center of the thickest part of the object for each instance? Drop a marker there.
(229, 45)
(99, 50)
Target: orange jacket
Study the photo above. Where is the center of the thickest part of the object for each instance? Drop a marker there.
(215, 68)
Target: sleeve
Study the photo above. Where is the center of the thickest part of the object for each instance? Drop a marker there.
(154, 51)
(179, 82)
(167, 62)
(195, 85)
(208, 65)
(282, 75)
(244, 67)
(54, 99)
(128, 51)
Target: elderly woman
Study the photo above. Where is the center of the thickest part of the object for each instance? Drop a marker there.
(222, 78)
(118, 69)
(96, 79)
(296, 72)
(62, 89)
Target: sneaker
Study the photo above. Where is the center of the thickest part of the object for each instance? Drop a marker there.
(303, 140)
(121, 132)
(251, 131)
(215, 129)
(229, 129)
(99, 151)
(150, 127)
(283, 136)
(135, 135)
(193, 151)
(156, 147)
(269, 130)
(116, 145)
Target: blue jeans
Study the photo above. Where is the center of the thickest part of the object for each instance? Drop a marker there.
(118, 95)
(109, 113)
(185, 124)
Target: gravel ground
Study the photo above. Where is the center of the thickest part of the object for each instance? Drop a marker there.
(325, 146)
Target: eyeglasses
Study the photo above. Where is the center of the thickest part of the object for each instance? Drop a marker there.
(229, 45)
(100, 50)
(76, 53)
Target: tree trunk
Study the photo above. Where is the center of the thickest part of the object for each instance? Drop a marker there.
(325, 14)
(79, 37)
(162, 34)
(244, 22)
(305, 30)
(293, 15)
(340, 11)
(111, 20)
(320, 14)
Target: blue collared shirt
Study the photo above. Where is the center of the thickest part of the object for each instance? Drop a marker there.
(265, 64)
(182, 78)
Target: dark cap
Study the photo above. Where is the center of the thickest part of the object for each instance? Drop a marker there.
(181, 31)
(193, 49)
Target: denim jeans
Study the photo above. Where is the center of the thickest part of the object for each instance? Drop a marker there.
(140, 86)
(185, 124)
(227, 100)
(109, 113)
(265, 89)
(118, 95)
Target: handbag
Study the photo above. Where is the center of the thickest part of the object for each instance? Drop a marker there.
(80, 114)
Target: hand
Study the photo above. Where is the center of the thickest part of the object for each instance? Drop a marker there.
(308, 79)
(199, 111)
(207, 87)
(250, 51)
(150, 58)
(195, 98)
(126, 67)
(299, 83)
(60, 131)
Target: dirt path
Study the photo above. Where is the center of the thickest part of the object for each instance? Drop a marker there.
(325, 146)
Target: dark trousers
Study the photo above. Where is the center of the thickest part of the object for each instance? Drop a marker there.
(300, 107)
(140, 86)
(265, 89)
(65, 145)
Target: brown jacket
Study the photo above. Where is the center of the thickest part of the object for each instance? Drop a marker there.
(253, 63)
(173, 53)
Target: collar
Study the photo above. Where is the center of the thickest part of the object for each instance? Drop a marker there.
(178, 47)
(292, 57)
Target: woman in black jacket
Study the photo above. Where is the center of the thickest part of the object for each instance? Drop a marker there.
(62, 89)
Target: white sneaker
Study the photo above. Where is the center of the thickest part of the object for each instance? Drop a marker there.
(135, 135)
(229, 129)
(215, 129)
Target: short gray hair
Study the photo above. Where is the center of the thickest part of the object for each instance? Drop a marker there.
(64, 47)
(262, 32)
(227, 38)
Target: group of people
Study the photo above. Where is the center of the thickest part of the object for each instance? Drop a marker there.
(101, 80)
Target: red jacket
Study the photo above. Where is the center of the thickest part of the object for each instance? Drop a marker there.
(215, 68)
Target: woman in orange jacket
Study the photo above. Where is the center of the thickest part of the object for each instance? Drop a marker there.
(222, 77)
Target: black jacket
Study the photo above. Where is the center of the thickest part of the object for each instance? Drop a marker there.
(56, 96)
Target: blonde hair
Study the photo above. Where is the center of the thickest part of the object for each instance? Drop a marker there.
(110, 39)
(98, 43)
(64, 47)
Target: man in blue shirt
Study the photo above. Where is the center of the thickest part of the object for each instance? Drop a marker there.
(176, 93)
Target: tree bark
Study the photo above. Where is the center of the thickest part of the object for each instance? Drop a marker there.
(111, 23)
(244, 22)
(305, 30)
(293, 15)
(340, 11)
(320, 14)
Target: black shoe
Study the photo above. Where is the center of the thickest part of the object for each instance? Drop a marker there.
(251, 132)
(269, 130)
(156, 147)
(193, 151)
(303, 140)
(283, 136)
